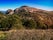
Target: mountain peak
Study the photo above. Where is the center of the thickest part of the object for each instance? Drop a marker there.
(38, 15)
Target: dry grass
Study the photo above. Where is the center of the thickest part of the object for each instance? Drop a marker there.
(30, 35)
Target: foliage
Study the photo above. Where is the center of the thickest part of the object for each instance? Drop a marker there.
(3, 36)
(10, 21)
(16, 21)
(41, 25)
(29, 23)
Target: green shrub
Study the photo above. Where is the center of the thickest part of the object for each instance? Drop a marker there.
(41, 25)
(10, 21)
(3, 36)
(29, 24)
(51, 27)
(15, 22)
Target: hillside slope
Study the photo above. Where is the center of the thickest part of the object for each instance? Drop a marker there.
(41, 16)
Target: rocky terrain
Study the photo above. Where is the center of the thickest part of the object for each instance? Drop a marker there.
(46, 17)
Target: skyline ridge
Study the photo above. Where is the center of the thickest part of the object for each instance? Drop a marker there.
(40, 4)
(27, 6)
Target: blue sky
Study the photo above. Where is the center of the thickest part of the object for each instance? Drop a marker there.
(12, 4)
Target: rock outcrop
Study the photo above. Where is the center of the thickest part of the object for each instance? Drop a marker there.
(9, 11)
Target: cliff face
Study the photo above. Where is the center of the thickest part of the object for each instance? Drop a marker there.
(39, 15)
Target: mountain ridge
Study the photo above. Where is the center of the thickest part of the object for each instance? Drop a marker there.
(31, 9)
(39, 15)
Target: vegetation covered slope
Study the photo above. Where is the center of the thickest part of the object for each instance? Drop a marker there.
(26, 18)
